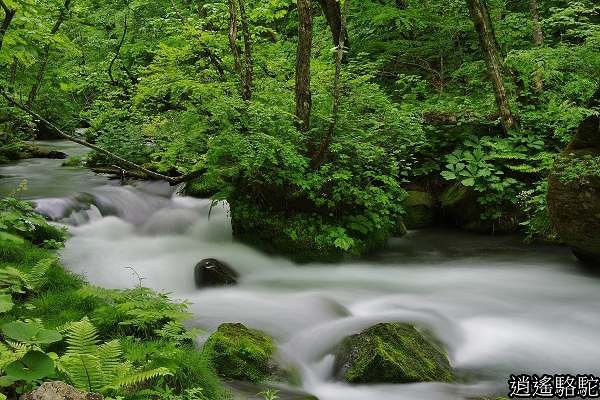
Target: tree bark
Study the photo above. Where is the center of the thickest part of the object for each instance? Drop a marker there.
(9, 14)
(233, 36)
(248, 63)
(303, 54)
(538, 35)
(321, 154)
(489, 46)
(332, 12)
(538, 40)
(46, 55)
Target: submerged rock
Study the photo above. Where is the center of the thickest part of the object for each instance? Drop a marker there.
(240, 353)
(391, 353)
(574, 193)
(212, 272)
(59, 391)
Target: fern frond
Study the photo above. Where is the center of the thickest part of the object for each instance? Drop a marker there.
(38, 275)
(526, 168)
(110, 356)
(140, 377)
(82, 338)
(13, 280)
(84, 371)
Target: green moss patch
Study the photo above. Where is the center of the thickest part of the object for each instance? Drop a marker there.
(392, 353)
(240, 353)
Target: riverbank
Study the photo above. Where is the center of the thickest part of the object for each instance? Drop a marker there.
(144, 329)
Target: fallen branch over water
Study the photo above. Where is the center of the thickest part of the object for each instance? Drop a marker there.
(173, 180)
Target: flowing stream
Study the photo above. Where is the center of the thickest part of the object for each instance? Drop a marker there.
(499, 306)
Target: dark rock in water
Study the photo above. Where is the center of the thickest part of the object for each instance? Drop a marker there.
(59, 391)
(392, 353)
(574, 193)
(212, 272)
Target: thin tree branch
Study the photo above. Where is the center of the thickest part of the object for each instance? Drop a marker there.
(117, 51)
(321, 155)
(120, 160)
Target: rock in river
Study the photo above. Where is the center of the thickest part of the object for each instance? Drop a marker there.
(391, 353)
(212, 272)
(240, 353)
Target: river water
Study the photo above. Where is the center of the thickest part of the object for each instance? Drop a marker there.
(499, 306)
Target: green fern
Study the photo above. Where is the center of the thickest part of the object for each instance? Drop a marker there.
(13, 280)
(96, 367)
(38, 275)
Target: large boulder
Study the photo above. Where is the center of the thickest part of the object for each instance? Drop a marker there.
(391, 353)
(420, 210)
(59, 391)
(212, 272)
(574, 193)
(241, 353)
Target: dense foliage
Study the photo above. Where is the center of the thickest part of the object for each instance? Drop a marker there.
(410, 107)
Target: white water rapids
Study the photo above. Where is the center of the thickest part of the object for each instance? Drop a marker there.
(499, 306)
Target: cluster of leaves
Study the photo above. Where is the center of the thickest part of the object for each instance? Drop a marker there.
(498, 169)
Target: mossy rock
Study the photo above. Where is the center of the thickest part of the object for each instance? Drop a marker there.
(392, 353)
(574, 193)
(240, 353)
(420, 210)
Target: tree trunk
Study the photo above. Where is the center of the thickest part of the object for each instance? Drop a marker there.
(321, 154)
(331, 10)
(303, 53)
(489, 46)
(8, 17)
(538, 40)
(235, 51)
(46, 54)
(248, 67)
(538, 35)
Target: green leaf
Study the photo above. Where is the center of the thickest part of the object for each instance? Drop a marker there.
(6, 303)
(35, 365)
(468, 182)
(30, 333)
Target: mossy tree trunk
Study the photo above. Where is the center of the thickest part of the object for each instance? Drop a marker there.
(303, 54)
(248, 68)
(489, 45)
(538, 40)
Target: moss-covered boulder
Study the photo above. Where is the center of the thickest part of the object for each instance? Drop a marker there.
(240, 353)
(420, 210)
(392, 353)
(574, 193)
